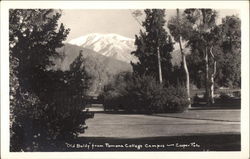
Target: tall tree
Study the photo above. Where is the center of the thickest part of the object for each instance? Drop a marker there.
(230, 43)
(203, 22)
(34, 35)
(213, 40)
(179, 29)
(153, 47)
(80, 78)
(221, 43)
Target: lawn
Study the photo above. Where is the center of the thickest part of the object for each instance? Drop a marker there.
(188, 123)
(230, 115)
(195, 130)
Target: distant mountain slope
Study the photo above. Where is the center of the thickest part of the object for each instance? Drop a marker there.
(102, 68)
(115, 46)
(110, 45)
(70, 52)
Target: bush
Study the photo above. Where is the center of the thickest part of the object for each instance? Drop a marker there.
(224, 97)
(143, 94)
(114, 92)
(176, 99)
(111, 101)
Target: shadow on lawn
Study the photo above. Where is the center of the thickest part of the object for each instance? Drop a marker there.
(206, 142)
(231, 103)
(219, 104)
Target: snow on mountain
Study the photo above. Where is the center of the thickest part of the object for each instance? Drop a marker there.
(110, 45)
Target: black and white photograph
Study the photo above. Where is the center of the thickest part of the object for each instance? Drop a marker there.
(133, 79)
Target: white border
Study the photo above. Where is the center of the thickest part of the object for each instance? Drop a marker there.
(243, 6)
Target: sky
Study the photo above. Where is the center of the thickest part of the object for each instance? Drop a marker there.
(119, 21)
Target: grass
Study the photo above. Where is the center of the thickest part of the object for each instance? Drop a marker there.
(195, 130)
(171, 124)
(230, 115)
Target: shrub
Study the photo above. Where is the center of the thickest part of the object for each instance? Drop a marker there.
(224, 97)
(113, 93)
(143, 94)
(175, 99)
(111, 101)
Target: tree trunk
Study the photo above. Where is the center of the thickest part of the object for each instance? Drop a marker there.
(187, 80)
(212, 88)
(207, 80)
(212, 78)
(186, 73)
(159, 64)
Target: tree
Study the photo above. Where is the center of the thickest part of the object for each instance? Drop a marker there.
(179, 28)
(34, 37)
(229, 72)
(153, 47)
(203, 24)
(79, 77)
(37, 115)
(213, 39)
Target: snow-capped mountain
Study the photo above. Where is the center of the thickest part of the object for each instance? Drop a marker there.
(110, 45)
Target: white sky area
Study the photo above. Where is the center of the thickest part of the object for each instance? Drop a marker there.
(120, 21)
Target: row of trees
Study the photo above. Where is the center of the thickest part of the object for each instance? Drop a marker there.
(45, 104)
(210, 51)
(210, 54)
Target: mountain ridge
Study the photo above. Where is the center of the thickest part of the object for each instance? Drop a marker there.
(70, 52)
(110, 45)
(115, 46)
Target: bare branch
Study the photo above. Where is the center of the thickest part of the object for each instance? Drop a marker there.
(211, 52)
